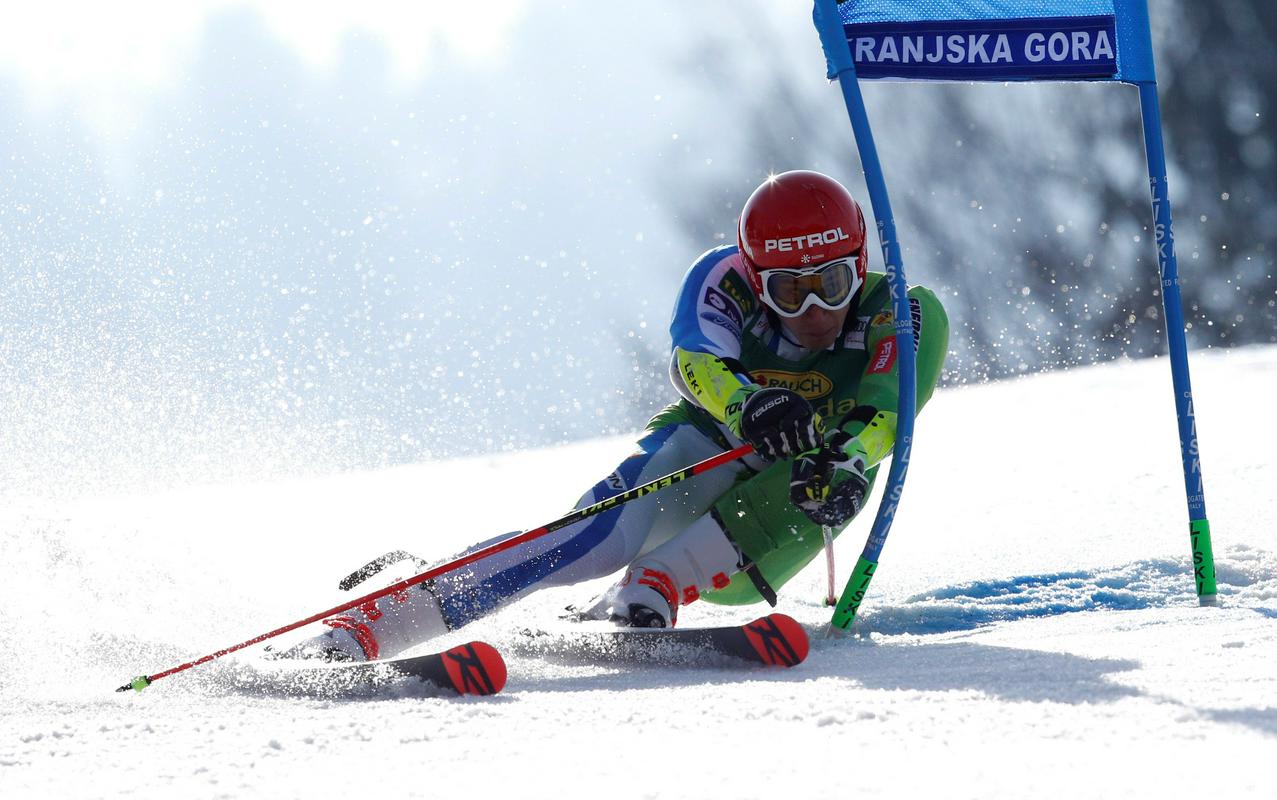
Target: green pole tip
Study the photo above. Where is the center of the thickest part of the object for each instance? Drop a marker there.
(137, 684)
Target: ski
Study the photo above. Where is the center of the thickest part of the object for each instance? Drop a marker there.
(775, 640)
(474, 668)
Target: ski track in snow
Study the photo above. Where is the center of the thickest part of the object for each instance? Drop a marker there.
(1031, 630)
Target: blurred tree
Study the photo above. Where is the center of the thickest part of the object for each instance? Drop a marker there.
(1218, 81)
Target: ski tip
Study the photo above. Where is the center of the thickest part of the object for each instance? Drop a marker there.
(475, 668)
(779, 640)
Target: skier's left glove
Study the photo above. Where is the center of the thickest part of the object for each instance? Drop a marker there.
(812, 475)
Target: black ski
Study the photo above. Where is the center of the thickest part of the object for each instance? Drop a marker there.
(472, 668)
(774, 640)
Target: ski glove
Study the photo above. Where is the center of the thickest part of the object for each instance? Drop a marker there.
(779, 423)
(811, 481)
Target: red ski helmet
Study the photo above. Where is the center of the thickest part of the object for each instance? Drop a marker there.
(798, 220)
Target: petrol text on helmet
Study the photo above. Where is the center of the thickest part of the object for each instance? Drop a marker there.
(803, 242)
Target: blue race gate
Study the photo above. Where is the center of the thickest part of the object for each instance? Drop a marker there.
(1004, 40)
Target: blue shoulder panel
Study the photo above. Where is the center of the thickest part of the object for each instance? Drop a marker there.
(699, 305)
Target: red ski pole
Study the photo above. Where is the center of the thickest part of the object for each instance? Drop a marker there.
(141, 682)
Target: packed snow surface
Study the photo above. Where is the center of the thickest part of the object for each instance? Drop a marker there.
(1032, 630)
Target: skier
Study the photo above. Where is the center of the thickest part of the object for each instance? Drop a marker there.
(784, 341)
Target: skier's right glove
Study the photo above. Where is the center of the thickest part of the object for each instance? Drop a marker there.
(779, 423)
(811, 481)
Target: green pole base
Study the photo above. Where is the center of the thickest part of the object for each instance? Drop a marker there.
(1203, 561)
(852, 595)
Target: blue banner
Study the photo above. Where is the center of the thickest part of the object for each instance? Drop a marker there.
(999, 40)
(1056, 48)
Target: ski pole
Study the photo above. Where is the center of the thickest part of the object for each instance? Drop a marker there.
(831, 596)
(141, 682)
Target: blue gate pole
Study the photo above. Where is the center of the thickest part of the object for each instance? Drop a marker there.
(834, 41)
(1172, 304)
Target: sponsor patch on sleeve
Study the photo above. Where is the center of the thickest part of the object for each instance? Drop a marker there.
(735, 286)
(884, 357)
(724, 305)
(915, 313)
(721, 321)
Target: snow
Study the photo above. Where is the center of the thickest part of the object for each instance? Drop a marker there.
(1031, 631)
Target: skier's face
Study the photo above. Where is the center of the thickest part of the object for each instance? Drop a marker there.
(817, 328)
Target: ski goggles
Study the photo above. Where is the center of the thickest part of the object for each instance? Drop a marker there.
(790, 292)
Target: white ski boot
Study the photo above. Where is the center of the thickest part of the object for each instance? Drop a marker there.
(380, 629)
